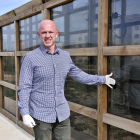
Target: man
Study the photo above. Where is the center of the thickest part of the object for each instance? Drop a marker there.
(41, 87)
(129, 74)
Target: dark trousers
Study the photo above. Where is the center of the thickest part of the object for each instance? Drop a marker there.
(61, 131)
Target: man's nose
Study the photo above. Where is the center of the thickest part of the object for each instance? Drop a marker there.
(47, 35)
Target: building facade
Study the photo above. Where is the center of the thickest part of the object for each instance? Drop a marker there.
(102, 36)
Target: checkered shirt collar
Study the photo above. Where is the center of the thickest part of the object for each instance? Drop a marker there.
(45, 51)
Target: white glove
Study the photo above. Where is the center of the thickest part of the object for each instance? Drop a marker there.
(109, 80)
(28, 121)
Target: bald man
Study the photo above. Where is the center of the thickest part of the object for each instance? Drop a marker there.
(43, 72)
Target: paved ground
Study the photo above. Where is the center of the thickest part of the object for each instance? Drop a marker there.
(10, 131)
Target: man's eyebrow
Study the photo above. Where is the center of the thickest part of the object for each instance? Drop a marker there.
(43, 31)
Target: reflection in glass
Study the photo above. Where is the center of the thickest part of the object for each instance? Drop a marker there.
(27, 28)
(28, 33)
(33, 19)
(82, 127)
(34, 35)
(60, 24)
(8, 38)
(124, 100)
(27, 21)
(5, 28)
(78, 4)
(80, 23)
(57, 9)
(124, 22)
(9, 100)
(79, 40)
(80, 93)
(77, 21)
(120, 134)
(8, 69)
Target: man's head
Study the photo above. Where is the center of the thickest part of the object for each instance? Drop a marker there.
(48, 33)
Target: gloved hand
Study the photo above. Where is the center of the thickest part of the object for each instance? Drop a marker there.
(109, 81)
(28, 121)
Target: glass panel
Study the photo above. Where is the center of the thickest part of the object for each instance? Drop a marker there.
(28, 33)
(124, 100)
(78, 4)
(82, 127)
(9, 100)
(80, 93)
(8, 69)
(120, 134)
(77, 23)
(8, 38)
(60, 24)
(124, 22)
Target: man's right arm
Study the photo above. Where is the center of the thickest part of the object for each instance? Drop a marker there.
(24, 90)
(25, 85)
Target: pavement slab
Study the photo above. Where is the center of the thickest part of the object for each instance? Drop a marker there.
(10, 131)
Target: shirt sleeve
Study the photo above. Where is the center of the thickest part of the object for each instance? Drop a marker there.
(25, 85)
(84, 78)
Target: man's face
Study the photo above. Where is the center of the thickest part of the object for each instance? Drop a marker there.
(48, 34)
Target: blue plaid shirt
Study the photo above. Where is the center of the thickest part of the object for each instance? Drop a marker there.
(41, 84)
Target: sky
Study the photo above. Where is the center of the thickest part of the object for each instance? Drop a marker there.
(8, 5)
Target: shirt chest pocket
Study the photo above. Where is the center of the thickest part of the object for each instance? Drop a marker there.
(44, 72)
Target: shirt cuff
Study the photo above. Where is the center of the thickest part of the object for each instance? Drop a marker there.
(102, 79)
(24, 111)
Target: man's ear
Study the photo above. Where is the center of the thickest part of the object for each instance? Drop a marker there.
(57, 34)
(38, 34)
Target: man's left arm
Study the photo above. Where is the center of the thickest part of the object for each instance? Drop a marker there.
(84, 78)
